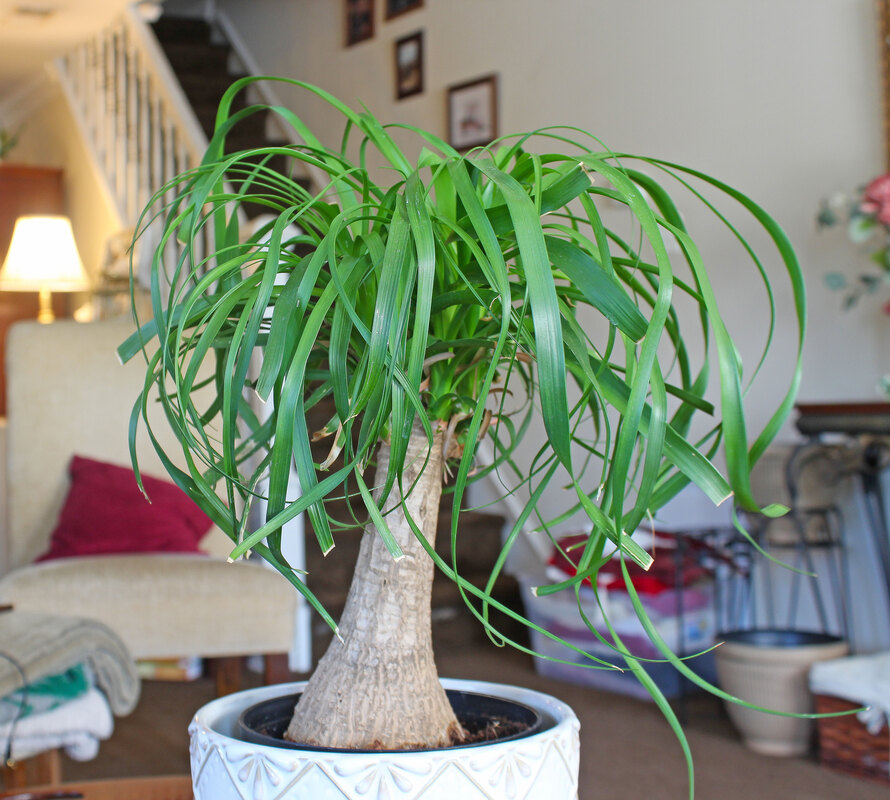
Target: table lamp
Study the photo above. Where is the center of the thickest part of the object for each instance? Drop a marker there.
(43, 258)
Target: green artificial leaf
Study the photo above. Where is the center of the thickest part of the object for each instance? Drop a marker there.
(870, 282)
(827, 217)
(860, 229)
(835, 281)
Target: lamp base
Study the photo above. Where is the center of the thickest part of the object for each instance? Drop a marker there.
(45, 313)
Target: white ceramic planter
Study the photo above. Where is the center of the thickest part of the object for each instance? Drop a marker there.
(772, 672)
(543, 766)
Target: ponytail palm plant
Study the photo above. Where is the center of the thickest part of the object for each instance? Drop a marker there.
(438, 303)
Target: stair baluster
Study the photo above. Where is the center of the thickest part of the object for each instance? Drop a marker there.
(138, 126)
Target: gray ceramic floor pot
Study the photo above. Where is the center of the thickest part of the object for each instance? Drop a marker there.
(770, 668)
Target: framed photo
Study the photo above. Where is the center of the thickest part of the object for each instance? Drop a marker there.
(473, 113)
(884, 61)
(409, 65)
(396, 7)
(359, 20)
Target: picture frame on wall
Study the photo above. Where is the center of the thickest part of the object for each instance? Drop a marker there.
(473, 112)
(395, 8)
(359, 16)
(409, 65)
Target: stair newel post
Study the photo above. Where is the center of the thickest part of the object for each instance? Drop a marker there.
(168, 164)
(90, 91)
(117, 141)
(133, 205)
(81, 61)
(108, 79)
(122, 103)
(157, 155)
(143, 138)
(108, 91)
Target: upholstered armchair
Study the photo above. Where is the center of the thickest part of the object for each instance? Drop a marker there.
(68, 395)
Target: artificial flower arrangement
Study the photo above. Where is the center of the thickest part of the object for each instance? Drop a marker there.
(867, 218)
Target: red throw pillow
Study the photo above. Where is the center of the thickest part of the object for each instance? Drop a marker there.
(105, 513)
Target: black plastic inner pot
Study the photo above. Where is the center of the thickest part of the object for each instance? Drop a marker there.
(265, 722)
(777, 637)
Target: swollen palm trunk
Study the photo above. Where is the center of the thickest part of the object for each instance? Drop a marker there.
(377, 688)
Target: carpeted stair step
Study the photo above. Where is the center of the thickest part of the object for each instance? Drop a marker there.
(203, 89)
(250, 131)
(478, 542)
(197, 58)
(478, 539)
(206, 112)
(279, 161)
(191, 30)
(201, 65)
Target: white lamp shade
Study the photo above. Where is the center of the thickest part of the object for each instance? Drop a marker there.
(43, 257)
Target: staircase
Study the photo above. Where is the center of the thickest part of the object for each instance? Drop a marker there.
(200, 64)
(205, 63)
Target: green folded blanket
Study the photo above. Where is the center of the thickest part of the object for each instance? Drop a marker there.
(46, 693)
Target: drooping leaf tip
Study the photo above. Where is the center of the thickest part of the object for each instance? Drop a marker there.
(774, 510)
(724, 499)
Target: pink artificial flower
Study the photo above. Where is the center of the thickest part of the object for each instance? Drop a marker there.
(886, 308)
(876, 199)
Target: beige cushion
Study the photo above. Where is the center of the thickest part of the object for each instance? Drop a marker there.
(165, 605)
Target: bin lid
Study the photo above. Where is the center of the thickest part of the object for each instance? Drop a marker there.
(864, 680)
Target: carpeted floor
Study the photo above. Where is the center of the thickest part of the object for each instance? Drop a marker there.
(627, 749)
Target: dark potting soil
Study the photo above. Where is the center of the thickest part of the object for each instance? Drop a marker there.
(492, 729)
(475, 731)
(482, 718)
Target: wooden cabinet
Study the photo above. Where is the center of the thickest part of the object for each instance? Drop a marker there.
(27, 190)
(24, 190)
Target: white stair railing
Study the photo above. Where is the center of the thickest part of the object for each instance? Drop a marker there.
(138, 125)
(133, 113)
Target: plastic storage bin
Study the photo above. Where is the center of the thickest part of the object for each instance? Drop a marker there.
(689, 632)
